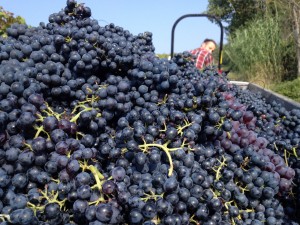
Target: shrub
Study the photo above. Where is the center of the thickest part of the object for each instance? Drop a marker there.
(256, 51)
(289, 89)
(7, 19)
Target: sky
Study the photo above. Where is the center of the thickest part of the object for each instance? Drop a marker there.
(136, 16)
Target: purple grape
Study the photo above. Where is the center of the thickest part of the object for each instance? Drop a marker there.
(118, 173)
(104, 213)
(109, 187)
(248, 116)
(289, 173)
(285, 185)
(80, 206)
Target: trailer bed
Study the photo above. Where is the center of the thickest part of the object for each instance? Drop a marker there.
(269, 95)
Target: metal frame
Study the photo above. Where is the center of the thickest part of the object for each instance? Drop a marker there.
(200, 15)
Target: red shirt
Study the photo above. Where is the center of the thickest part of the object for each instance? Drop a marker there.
(204, 57)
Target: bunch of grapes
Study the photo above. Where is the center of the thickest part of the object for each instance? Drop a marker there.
(96, 129)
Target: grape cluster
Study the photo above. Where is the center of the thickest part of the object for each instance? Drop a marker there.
(281, 128)
(96, 129)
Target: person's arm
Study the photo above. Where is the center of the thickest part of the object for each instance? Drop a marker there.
(194, 51)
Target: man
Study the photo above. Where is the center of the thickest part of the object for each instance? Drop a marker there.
(204, 53)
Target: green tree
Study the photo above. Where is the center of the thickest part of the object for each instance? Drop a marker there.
(236, 13)
(7, 19)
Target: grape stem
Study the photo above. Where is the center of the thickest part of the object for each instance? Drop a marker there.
(285, 157)
(181, 128)
(192, 220)
(144, 147)
(49, 111)
(4, 217)
(164, 129)
(219, 168)
(295, 152)
(227, 204)
(243, 189)
(28, 146)
(51, 197)
(40, 129)
(156, 220)
(99, 178)
(152, 195)
(75, 118)
(164, 100)
(245, 163)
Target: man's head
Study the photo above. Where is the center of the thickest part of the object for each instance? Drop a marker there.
(209, 44)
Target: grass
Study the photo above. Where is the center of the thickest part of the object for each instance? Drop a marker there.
(257, 50)
(290, 89)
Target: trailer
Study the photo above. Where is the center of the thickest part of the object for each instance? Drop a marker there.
(269, 95)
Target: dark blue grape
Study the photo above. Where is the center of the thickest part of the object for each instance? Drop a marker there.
(104, 213)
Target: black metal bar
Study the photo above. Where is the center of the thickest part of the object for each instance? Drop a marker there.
(199, 15)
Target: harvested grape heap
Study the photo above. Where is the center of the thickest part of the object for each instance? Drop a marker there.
(96, 129)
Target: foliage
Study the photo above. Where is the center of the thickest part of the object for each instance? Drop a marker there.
(215, 54)
(257, 50)
(6, 19)
(289, 60)
(236, 13)
(163, 55)
(289, 89)
(288, 20)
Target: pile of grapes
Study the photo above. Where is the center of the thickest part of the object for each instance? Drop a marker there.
(96, 129)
